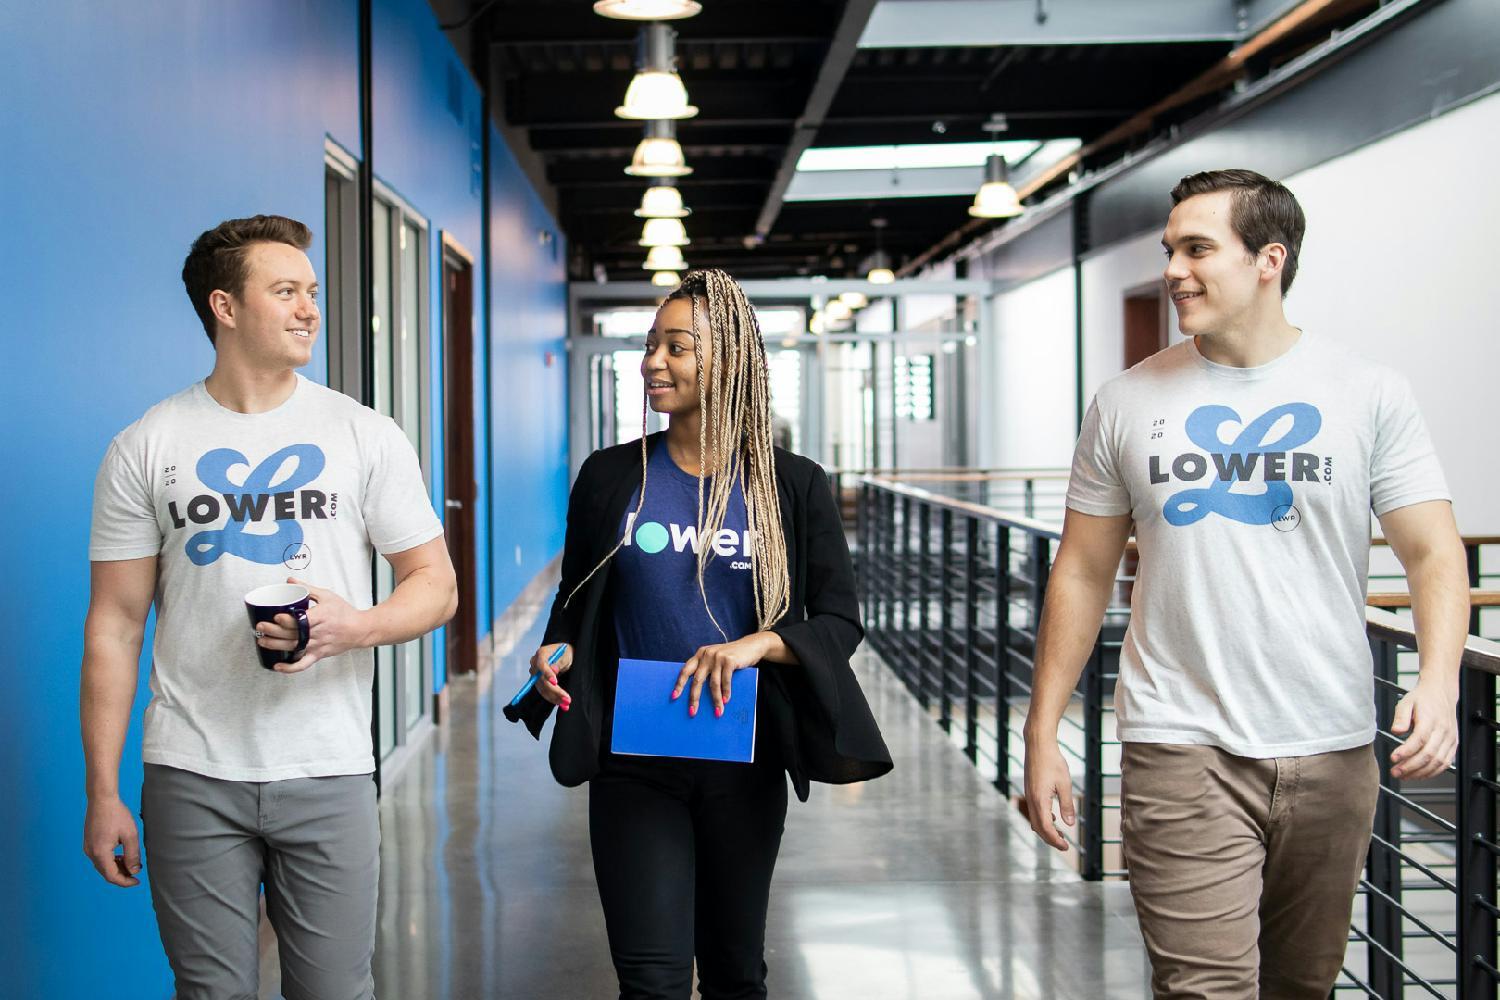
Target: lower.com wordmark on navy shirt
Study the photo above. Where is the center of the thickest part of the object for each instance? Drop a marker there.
(652, 537)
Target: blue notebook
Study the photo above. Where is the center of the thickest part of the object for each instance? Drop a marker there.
(648, 723)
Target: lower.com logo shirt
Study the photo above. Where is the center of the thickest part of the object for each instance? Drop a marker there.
(659, 612)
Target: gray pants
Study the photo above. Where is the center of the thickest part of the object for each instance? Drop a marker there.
(313, 842)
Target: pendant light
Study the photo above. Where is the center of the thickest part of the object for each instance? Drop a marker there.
(880, 272)
(658, 154)
(665, 279)
(647, 10)
(665, 259)
(664, 233)
(837, 311)
(996, 199)
(854, 300)
(657, 91)
(662, 201)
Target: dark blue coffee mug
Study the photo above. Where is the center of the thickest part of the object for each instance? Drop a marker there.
(265, 603)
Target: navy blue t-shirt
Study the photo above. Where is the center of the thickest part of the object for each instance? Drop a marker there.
(659, 613)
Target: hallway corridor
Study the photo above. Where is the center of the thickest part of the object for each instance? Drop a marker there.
(919, 886)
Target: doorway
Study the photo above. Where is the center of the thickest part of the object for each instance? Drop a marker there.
(460, 490)
(1145, 322)
(341, 281)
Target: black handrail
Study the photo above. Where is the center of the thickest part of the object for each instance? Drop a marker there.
(952, 594)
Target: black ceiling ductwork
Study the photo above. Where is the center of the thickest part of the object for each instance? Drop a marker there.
(772, 78)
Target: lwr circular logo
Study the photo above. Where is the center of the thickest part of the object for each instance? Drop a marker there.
(651, 537)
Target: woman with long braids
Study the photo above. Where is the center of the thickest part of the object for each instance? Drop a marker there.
(684, 848)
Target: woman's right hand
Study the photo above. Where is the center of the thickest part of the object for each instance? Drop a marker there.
(547, 685)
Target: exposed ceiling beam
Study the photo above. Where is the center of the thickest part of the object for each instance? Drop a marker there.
(1216, 77)
(684, 42)
(835, 65)
(958, 129)
(908, 24)
(579, 98)
(525, 21)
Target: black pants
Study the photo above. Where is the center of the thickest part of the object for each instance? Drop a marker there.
(683, 854)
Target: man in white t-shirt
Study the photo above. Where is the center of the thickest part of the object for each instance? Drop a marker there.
(254, 776)
(1248, 457)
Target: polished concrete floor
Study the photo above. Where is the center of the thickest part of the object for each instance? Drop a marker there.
(922, 885)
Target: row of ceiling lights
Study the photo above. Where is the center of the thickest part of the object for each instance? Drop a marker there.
(657, 97)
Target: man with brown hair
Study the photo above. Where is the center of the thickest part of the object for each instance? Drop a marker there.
(253, 776)
(1249, 458)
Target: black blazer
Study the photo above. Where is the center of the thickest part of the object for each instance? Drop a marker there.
(815, 712)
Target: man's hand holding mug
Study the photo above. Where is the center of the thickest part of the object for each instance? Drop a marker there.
(305, 624)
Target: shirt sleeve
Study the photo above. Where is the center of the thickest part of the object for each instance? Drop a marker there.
(124, 521)
(1095, 485)
(397, 510)
(1404, 468)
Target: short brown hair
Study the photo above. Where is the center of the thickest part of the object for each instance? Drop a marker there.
(217, 260)
(1262, 211)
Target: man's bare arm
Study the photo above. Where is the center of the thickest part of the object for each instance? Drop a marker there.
(426, 594)
(119, 601)
(1078, 589)
(1426, 540)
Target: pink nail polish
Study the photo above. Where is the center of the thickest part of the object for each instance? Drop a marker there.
(567, 705)
(692, 711)
(676, 695)
(718, 711)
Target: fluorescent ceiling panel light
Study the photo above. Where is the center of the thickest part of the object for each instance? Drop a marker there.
(624, 322)
(912, 157)
(780, 321)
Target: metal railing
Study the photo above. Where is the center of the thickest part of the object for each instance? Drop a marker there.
(952, 593)
(1425, 917)
(1035, 493)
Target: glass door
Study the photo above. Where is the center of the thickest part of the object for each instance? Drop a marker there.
(399, 363)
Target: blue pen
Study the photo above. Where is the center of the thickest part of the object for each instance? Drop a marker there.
(531, 681)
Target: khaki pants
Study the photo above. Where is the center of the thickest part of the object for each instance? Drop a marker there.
(1243, 870)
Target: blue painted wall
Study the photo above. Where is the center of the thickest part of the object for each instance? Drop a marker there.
(426, 148)
(527, 321)
(132, 134)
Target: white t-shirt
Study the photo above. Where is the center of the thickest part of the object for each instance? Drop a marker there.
(232, 501)
(1251, 491)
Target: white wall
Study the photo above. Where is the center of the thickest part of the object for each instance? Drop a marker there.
(1402, 262)
(1107, 276)
(1031, 374)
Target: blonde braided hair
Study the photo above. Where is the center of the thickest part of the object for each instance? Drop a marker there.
(734, 439)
